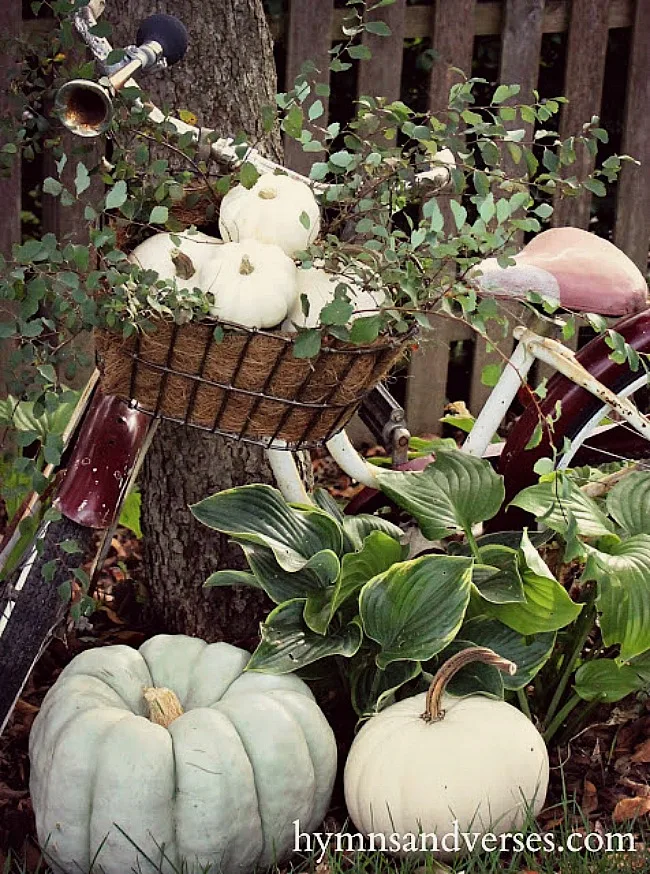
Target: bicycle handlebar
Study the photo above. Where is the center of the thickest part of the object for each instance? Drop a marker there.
(85, 107)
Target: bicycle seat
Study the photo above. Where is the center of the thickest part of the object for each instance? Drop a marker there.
(584, 272)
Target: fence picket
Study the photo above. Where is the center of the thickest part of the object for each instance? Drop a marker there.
(489, 15)
(453, 43)
(309, 38)
(382, 73)
(583, 87)
(633, 204)
(10, 194)
(521, 44)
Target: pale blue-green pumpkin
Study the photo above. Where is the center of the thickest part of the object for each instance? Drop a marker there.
(221, 785)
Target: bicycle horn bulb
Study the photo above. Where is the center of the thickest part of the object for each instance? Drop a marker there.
(167, 32)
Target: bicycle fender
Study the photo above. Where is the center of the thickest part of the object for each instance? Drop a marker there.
(101, 461)
(517, 462)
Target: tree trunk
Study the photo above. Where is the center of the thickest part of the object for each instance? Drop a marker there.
(225, 79)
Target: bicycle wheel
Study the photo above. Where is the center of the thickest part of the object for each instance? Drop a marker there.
(578, 436)
(32, 605)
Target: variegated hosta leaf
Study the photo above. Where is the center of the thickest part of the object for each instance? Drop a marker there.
(379, 553)
(623, 577)
(357, 528)
(530, 654)
(288, 644)
(547, 607)
(498, 578)
(532, 559)
(232, 578)
(629, 503)
(511, 539)
(259, 514)
(319, 572)
(452, 494)
(20, 415)
(415, 609)
(641, 665)
(605, 680)
(326, 502)
(371, 693)
(556, 502)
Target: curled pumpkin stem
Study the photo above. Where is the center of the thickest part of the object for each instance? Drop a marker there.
(434, 711)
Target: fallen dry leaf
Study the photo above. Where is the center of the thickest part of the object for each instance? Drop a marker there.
(589, 797)
(642, 752)
(631, 808)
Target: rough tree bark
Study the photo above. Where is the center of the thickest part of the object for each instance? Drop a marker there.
(227, 76)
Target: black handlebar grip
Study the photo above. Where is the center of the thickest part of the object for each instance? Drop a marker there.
(166, 30)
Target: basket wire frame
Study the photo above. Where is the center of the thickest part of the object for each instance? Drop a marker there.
(230, 390)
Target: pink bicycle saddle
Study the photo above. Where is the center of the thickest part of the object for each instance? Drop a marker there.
(584, 272)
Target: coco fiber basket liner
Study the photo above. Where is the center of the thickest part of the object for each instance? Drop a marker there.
(248, 385)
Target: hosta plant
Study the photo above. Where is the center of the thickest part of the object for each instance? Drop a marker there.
(346, 590)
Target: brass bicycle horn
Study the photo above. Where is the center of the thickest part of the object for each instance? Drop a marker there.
(86, 107)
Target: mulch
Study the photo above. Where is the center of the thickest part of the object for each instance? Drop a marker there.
(606, 768)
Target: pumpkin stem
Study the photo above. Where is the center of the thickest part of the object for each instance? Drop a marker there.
(164, 706)
(267, 193)
(434, 711)
(183, 264)
(246, 267)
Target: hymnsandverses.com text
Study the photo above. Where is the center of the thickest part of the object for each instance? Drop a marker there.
(458, 841)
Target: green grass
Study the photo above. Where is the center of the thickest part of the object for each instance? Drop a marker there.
(478, 863)
(349, 860)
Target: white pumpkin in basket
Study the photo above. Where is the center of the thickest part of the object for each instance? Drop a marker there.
(319, 287)
(435, 765)
(439, 173)
(173, 751)
(277, 209)
(188, 264)
(254, 284)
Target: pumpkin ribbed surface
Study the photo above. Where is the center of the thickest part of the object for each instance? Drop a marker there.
(221, 785)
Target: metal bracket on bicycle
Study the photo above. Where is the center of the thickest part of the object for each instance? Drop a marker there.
(381, 413)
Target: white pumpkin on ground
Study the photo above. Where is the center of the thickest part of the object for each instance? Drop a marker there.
(319, 287)
(173, 749)
(277, 209)
(254, 284)
(432, 760)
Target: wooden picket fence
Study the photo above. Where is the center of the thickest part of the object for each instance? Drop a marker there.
(309, 29)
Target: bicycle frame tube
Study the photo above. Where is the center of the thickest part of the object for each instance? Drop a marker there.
(513, 377)
(340, 447)
(287, 477)
(348, 459)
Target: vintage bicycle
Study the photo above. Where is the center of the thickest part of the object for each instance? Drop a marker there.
(589, 400)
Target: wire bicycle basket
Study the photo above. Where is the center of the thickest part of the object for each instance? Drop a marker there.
(246, 384)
